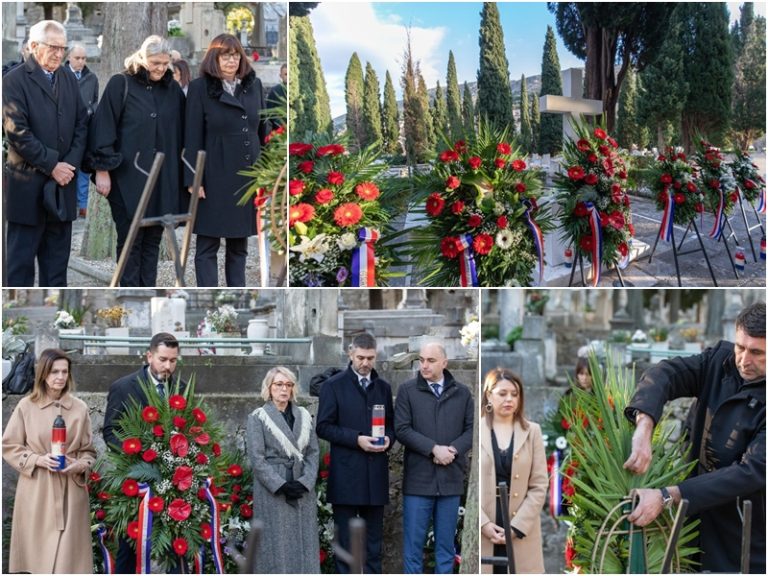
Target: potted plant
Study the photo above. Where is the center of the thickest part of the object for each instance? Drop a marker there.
(66, 323)
(223, 323)
(112, 317)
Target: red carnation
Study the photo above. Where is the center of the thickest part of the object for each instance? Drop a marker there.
(504, 149)
(435, 204)
(500, 163)
(616, 219)
(130, 487)
(475, 162)
(306, 167)
(520, 187)
(149, 455)
(575, 172)
(158, 430)
(583, 145)
(203, 439)
(677, 184)
(564, 424)
(666, 179)
(325, 473)
(296, 187)
(448, 247)
(179, 422)
(474, 220)
(216, 449)
(631, 229)
(502, 221)
(590, 179)
(749, 185)
(482, 243)
(179, 445)
(177, 402)
(600, 133)
(235, 470)
(179, 510)
(452, 183)
(457, 207)
(156, 504)
(604, 150)
(132, 446)
(299, 148)
(94, 477)
(623, 249)
(714, 184)
(367, 191)
(150, 414)
(608, 166)
(679, 198)
(201, 458)
(180, 546)
(580, 210)
(734, 196)
(100, 514)
(330, 150)
(348, 214)
(448, 156)
(133, 529)
(103, 496)
(335, 178)
(460, 146)
(182, 478)
(613, 142)
(199, 415)
(246, 511)
(699, 207)
(623, 174)
(518, 165)
(206, 532)
(234, 498)
(592, 158)
(324, 195)
(587, 243)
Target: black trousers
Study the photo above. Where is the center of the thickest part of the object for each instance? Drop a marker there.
(125, 561)
(374, 532)
(141, 266)
(49, 243)
(206, 267)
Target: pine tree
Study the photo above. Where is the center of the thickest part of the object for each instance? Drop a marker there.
(415, 111)
(494, 94)
(371, 108)
(526, 131)
(535, 124)
(628, 130)
(551, 130)
(354, 96)
(468, 111)
(424, 105)
(439, 115)
(749, 85)
(390, 119)
(309, 94)
(455, 121)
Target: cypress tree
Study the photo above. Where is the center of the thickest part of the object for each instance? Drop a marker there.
(739, 30)
(749, 85)
(526, 131)
(426, 113)
(535, 124)
(628, 130)
(390, 119)
(309, 95)
(494, 94)
(468, 111)
(354, 96)
(295, 102)
(455, 121)
(439, 114)
(371, 107)
(415, 111)
(551, 130)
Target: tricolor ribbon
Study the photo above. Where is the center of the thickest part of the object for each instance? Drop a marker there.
(761, 202)
(597, 242)
(109, 563)
(199, 561)
(466, 260)
(717, 229)
(538, 238)
(263, 240)
(555, 485)
(218, 557)
(364, 258)
(144, 541)
(762, 248)
(667, 218)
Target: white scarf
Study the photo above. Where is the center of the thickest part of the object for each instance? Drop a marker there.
(303, 440)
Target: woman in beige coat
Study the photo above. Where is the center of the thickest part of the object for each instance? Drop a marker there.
(51, 531)
(511, 451)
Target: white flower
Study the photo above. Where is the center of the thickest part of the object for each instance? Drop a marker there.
(504, 239)
(498, 208)
(561, 443)
(639, 336)
(312, 248)
(469, 333)
(347, 241)
(64, 320)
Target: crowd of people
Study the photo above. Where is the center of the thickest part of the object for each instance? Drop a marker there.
(62, 136)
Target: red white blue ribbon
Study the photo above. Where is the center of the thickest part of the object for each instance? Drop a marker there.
(597, 242)
(717, 229)
(761, 202)
(762, 248)
(364, 258)
(466, 260)
(218, 557)
(109, 563)
(199, 561)
(144, 541)
(538, 238)
(555, 485)
(667, 218)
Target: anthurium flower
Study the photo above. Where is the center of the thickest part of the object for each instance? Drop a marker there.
(182, 478)
(179, 445)
(179, 509)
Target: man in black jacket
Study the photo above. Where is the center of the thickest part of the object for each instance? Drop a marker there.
(358, 480)
(727, 437)
(434, 415)
(45, 126)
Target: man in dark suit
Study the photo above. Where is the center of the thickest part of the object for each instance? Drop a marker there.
(358, 482)
(45, 123)
(162, 357)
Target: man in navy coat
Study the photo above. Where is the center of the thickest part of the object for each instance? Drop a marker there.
(358, 482)
(45, 124)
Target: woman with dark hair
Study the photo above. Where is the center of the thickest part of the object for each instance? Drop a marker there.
(511, 451)
(181, 75)
(51, 529)
(224, 119)
(141, 111)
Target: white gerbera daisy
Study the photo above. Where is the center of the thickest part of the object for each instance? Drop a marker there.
(504, 239)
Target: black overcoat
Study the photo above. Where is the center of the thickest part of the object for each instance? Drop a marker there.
(728, 438)
(42, 128)
(231, 131)
(356, 478)
(152, 120)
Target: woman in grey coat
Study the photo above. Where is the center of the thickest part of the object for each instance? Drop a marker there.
(283, 447)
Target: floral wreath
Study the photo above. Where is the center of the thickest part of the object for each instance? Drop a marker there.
(595, 217)
(748, 179)
(485, 227)
(717, 183)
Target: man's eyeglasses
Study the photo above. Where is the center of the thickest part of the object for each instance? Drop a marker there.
(285, 385)
(54, 47)
(230, 56)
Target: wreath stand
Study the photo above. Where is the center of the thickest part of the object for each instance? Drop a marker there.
(676, 253)
(507, 561)
(753, 226)
(167, 221)
(580, 259)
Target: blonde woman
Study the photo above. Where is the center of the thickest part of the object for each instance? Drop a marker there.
(283, 448)
(511, 451)
(51, 530)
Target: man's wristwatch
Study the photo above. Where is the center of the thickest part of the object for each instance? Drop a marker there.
(666, 498)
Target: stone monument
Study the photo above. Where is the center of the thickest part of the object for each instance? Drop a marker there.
(571, 104)
(77, 32)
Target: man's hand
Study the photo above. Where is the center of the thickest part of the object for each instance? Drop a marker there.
(493, 532)
(443, 455)
(367, 443)
(63, 173)
(649, 506)
(640, 458)
(200, 191)
(103, 183)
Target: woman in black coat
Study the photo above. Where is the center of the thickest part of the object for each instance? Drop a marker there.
(223, 118)
(141, 110)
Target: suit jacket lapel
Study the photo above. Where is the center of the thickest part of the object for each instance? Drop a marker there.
(227, 98)
(39, 78)
(521, 435)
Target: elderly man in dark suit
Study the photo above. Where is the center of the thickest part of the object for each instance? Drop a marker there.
(45, 123)
(358, 482)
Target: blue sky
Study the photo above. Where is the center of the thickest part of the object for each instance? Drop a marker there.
(377, 32)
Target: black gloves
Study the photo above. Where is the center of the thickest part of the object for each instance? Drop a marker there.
(292, 490)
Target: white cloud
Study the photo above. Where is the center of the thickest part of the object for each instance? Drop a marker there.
(341, 29)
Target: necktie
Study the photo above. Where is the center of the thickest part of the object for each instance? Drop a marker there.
(78, 74)
(51, 77)
(364, 382)
(161, 389)
(436, 388)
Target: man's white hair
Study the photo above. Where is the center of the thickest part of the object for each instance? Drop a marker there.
(40, 31)
(76, 45)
